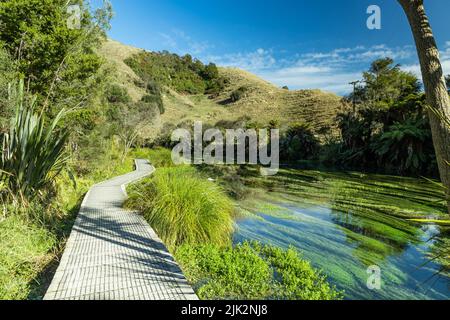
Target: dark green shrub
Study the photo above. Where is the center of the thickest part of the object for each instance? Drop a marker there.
(154, 100)
(238, 94)
(117, 94)
(298, 143)
(182, 74)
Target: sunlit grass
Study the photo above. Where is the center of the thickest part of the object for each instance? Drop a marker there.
(183, 207)
(25, 249)
(252, 271)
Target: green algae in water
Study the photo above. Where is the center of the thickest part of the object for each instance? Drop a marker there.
(345, 222)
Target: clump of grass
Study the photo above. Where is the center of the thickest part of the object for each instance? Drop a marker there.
(159, 157)
(183, 207)
(252, 271)
(24, 251)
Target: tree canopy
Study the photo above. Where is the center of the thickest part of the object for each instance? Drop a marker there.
(56, 60)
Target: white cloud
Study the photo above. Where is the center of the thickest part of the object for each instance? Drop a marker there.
(445, 62)
(330, 71)
(179, 41)
(168, 40)
(257, 60)
(328, 79)
(357, 55)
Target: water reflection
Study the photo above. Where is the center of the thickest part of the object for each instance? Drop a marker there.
(340, 231)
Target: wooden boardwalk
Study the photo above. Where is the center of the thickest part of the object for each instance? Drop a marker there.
(113, 254)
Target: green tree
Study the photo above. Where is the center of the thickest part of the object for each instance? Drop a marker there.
(298, 143)
(388, 128)
(404, 146)
(56, 60)
(385, 83)
(7, 75)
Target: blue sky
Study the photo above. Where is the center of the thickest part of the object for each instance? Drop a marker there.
(303, 44)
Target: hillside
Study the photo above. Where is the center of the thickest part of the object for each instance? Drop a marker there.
(261, 103)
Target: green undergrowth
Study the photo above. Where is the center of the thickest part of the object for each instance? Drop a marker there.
(253, 271)
(24, 252)
(32, 237)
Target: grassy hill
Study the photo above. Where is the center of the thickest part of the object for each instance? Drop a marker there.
(261, 102)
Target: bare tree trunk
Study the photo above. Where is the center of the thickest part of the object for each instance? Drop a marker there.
(435, 87)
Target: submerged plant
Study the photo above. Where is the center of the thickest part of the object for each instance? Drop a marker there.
(32, 152)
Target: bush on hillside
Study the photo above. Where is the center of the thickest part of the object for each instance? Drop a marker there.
(183, 74)
(155, 100)
(238, 94)
(117, 94)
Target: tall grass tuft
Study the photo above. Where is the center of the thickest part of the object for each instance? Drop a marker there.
(33, 152)
(183, 207)
(160, 157)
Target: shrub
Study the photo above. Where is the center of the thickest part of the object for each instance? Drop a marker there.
(298, 143)
(238, 94)
(183, 207)
(252, 271)
(154, 100)
(117, 94)
(32, 152)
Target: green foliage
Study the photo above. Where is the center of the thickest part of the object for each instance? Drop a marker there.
(117, 94)
(447, 81)
(183, 207)
(179, 73)
(32, 154)
(238, 94)
(7, 68)
(402, 146)
(155, 100)
(24, 252)
(57, 60)
(159, 157)
(83, 120)
(385, 83)
(252, 271)
(298, 143)
(154, 96)
(389, 128)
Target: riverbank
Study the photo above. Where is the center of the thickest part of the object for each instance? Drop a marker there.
(346, 221)
(198, 231)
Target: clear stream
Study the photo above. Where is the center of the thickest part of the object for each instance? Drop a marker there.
(345, 222)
